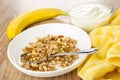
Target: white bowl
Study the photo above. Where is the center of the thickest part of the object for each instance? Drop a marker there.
(20, 41)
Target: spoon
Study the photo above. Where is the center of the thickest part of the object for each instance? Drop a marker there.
(86, 51)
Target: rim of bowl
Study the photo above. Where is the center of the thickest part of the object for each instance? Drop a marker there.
(105, 4)
(40, 72)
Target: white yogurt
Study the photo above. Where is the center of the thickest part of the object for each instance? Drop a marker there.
(90, 16)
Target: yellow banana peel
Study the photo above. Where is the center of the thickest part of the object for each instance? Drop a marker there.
(24, 20)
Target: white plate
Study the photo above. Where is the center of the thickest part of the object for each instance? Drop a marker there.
(29, 35)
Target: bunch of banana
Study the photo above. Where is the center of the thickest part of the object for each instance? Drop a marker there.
(24, 20)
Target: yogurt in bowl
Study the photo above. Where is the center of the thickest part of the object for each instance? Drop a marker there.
(90, 15)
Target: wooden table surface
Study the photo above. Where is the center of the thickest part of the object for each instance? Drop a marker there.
(10, 9)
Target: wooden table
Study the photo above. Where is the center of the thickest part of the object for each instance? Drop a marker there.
(10, 9)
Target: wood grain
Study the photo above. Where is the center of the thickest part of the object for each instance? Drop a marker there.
(10, 9)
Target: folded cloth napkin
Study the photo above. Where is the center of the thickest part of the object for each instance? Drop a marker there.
(115, 19)
(105, 63)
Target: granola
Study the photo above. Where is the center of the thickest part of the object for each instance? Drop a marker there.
(38, 51)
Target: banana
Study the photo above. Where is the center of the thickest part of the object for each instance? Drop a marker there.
(24, 20)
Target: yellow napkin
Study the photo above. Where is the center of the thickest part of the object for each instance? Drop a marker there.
(115, 19)
(105, 63)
